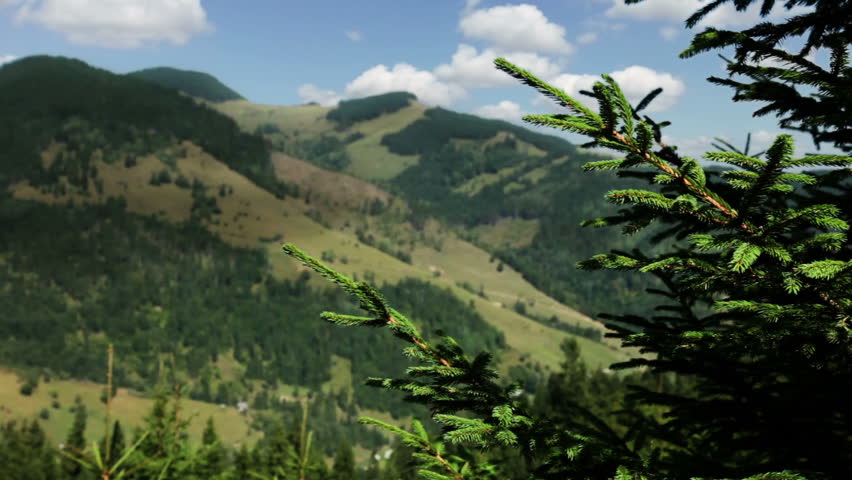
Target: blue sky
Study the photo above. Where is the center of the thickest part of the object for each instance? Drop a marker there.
(292, 52)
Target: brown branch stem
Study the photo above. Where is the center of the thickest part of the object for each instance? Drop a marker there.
(687, 182)
(421, 344)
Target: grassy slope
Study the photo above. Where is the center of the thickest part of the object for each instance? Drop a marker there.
(129, 407)
(252, 214)
(372, 161)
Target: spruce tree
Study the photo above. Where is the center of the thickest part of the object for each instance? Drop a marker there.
(212, 456)
(275, 454)
(117, 443)
(242, 463)
(757, 299)
(76, 441)
(117, 446)
(25, 453)
(162, 449)
(344, 462)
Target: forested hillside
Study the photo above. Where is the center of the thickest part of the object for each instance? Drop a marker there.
(125, 215)
(478, 176)
(68, 101)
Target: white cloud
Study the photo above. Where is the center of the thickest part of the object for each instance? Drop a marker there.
(118, 23)
(516, 27)
(635, 81)
(311, 93)
(7, 3)
(673, 10)
(724, 16)
(404, 77)
(669, 33)
(761, 140)
(7, 58)
(587, 38)
(505, 110)
(571, 84)
(469, 6)
(379, 79)
(355, 35)
(469, 69)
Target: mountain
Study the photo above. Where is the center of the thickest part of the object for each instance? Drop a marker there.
(195, 84)
(137, 216)
(518, 194)
(67, 101)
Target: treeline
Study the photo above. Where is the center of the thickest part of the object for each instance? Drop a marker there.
(431, 133)
(560, 200)
(54, 98)
(350, 112)
(77, 278)
(429, 187)
(326, 151)
(292, 447)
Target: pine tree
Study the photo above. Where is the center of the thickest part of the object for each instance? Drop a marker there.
(344, 462)
(276, 455)
(161, 450)
(24, 452)
(117, 443)
(212, 461)
(756, 300)
(76, 441)
(242, 463)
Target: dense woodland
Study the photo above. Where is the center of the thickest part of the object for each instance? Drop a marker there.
(560, 201)
(350, 112)
(429, 185)
(26, 454)
(163, 291)
(67, 100)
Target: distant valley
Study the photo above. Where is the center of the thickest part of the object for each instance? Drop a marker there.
(147, 211)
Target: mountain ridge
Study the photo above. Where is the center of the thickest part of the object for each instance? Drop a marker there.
(193, 83)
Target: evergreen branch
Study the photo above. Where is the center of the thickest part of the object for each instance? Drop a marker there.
(777, 154)
(743, 161)
(701, 191)
(744, 256)
(420, 439)
(371, 301)
(625, 111)
(612, 164)
(820, 160)
(641, 197)
(823, 269)
(340, 279)
(554, 93)
(351, 320)
(563, 122)
(647, 100)
(609, 261)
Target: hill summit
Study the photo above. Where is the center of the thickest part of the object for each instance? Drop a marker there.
(196, 84)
